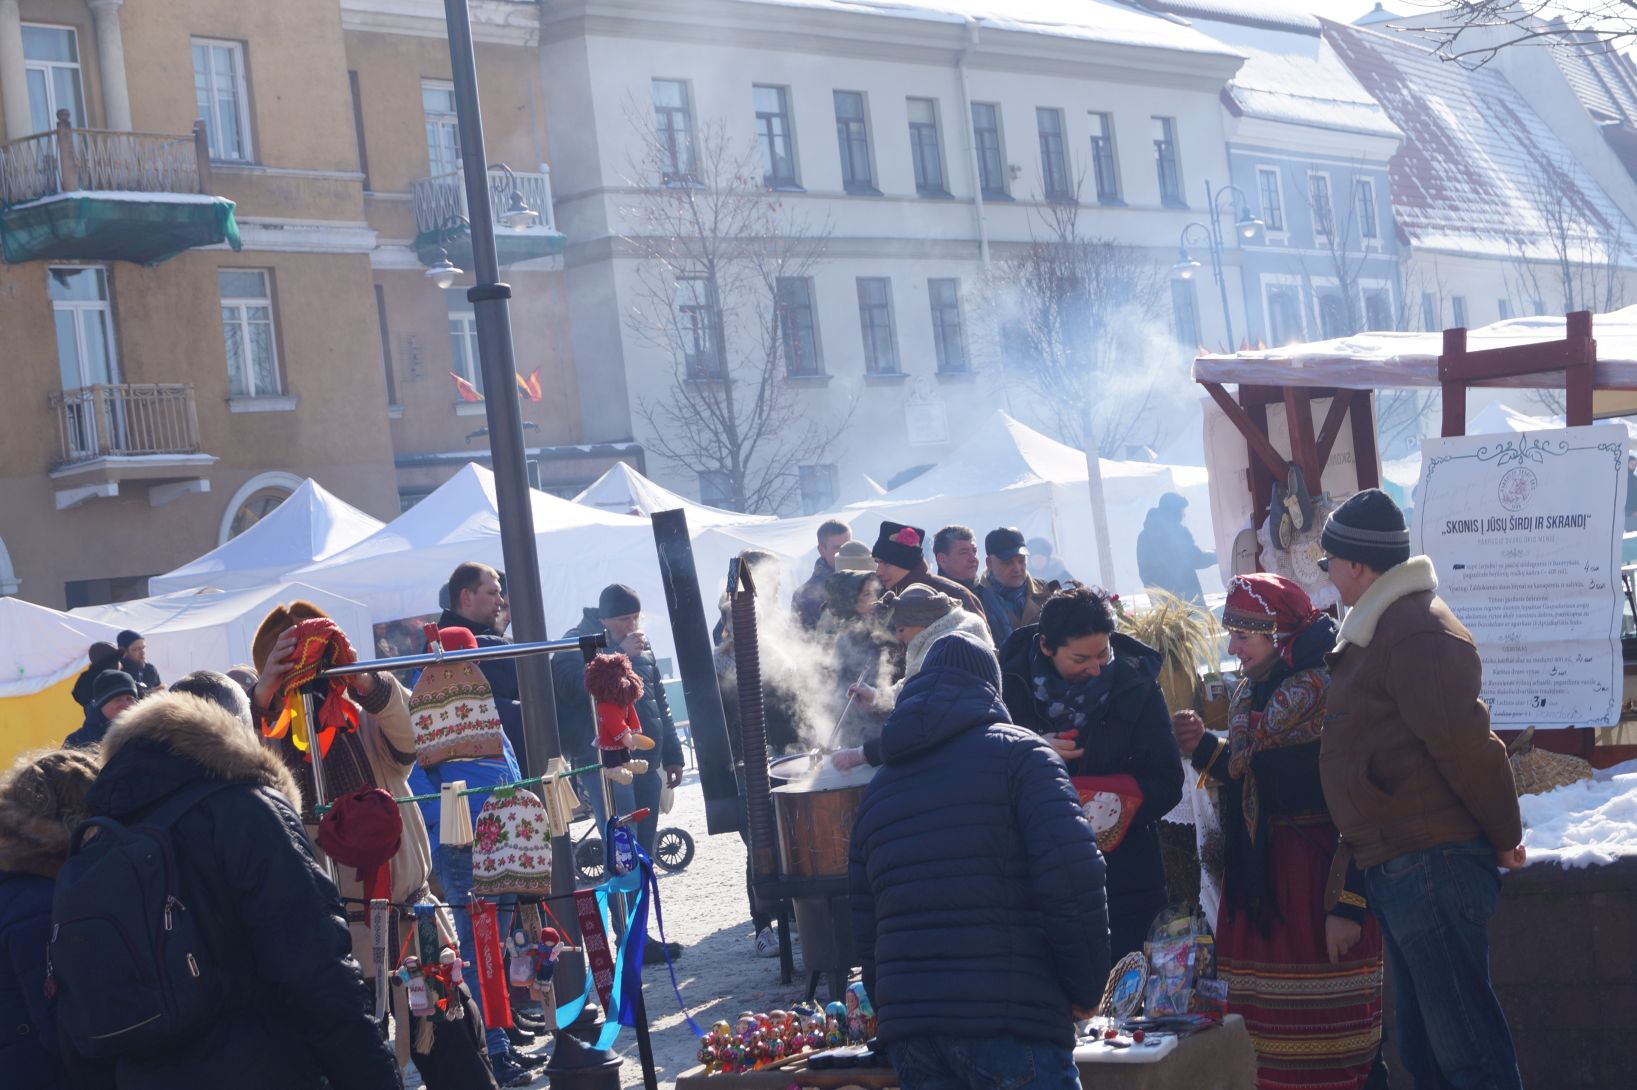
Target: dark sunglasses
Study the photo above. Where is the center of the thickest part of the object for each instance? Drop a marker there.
(1324, 564)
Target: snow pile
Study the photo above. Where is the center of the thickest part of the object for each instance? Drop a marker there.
(1584, 824)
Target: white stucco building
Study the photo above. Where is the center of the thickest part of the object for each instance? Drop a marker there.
(927, 138)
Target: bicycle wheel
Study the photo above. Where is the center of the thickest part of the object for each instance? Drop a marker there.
(673, 850)
(589, 860)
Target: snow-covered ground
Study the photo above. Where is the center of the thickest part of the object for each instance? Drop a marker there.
(719, 973)
(1584, 824)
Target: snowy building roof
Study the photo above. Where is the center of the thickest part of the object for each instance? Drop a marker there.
(1604, 80)
(1106, 21)
(1291, 72)
(1478, 168)
(1256, 13)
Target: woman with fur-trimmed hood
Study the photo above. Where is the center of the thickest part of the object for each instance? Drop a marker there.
(42, 798)
(296, 1010)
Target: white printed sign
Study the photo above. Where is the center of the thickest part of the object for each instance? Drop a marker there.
(1524, 530)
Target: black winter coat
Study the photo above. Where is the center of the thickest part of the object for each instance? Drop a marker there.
(576, 721)
(28, 1026)
(296, 1009)
(1131, 735)
(977, 887)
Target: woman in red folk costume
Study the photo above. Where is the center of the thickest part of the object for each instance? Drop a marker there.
(1295, 943)
(616, 688)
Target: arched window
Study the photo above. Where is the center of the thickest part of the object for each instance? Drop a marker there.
(255, 500)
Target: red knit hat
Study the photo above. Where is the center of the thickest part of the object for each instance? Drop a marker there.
(364, 830)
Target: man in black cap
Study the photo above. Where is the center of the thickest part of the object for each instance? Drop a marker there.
(133, 660)
(1011, 596)
(900, 563)
(1422, 794)
(1167, 558)
(114, 691)
(618, 613)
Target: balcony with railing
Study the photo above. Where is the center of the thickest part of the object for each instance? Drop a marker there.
(100, 195)
(442, 219)
(145, 434)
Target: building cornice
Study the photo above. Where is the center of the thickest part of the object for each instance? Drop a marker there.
(1311, 139)
(497, 22)
(875, 37)
(303, 236)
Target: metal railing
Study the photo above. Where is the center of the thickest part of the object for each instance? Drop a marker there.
(126, 420)
(67, 160)
(439, 199)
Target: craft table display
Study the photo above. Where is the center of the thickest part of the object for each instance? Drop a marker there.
(1217, 1059)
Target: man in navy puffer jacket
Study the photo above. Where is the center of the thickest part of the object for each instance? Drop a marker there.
(977, 888)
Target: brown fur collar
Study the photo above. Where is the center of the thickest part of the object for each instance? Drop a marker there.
(35, 828)
(205, 734)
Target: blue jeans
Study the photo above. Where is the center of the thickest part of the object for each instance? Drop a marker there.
(950, 1062)
(454, 869)
(1434, 907)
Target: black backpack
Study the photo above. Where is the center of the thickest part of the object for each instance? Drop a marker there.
(128, 963)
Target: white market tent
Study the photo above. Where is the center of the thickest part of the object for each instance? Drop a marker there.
(1008, 474)
(397, 571)
(41, 653)
(311, 525)
(625, 491)
(213, 629)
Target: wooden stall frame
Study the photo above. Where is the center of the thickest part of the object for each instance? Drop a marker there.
(1575, 357)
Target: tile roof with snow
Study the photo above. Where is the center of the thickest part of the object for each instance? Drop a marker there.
(1107, 21)
(1477, 163)
(1603, 80)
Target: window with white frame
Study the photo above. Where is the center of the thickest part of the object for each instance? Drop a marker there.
(798, 332)
(1504, 308)
(990, 148)
(463, 358)
(673, 128)
(223, 97)
(875, 323)
(1457, 307)
(1284, 305)
(715, 488)
(1054, 154)
(773, 135)
(1168, 161)
(1378, 310)
(1273, 205)
(442, 127)
(853, 139)
(948, 338)
(247, 329)
(51, 65)
(85, 325)
(925, 148)
(1318, 201)
(1333, 319)
(697, 320)
(1364, 196)
(818, 488)
(1104, 169)
(1431, 318)
(1185, 313)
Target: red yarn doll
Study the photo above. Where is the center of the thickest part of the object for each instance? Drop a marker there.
(616, 688)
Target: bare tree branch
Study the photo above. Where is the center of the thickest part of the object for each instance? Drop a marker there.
(1472, 32)
(713, 244)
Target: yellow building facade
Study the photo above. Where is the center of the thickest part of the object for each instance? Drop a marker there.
(166, 388)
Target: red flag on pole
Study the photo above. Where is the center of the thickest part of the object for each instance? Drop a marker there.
(535, 393)
(465, 389)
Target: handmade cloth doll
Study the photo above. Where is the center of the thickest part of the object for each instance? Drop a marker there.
(616, 688)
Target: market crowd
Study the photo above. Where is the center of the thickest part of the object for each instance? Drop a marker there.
(1366, 809)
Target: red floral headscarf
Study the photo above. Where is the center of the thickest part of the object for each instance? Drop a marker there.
(1270, 605)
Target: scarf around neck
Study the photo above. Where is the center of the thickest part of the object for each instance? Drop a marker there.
(1068, 705)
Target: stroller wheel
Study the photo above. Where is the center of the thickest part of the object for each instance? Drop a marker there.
(589, 861)
(673, 849)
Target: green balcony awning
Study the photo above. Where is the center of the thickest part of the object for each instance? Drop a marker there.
(144, 228)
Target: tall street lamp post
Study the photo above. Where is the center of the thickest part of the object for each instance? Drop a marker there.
(491, 312)
(1245, 224)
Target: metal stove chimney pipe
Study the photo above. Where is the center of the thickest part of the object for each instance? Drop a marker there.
(707, 723)
(747, 661)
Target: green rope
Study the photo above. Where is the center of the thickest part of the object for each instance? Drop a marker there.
(494, 790)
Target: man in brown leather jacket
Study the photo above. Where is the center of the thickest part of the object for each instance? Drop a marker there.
(1422, 792)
